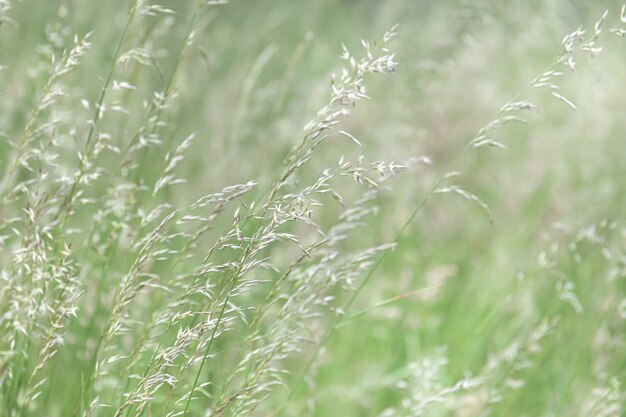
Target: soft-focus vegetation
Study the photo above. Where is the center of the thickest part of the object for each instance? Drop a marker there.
(324, 208)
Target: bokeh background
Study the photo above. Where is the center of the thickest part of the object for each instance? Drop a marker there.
(460, 288)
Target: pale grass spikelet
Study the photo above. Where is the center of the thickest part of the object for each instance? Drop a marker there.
(605, 400)
(51, 93)
(283, 208)
(621, 29)
(167, 178)
(307, 282)
(135, 282)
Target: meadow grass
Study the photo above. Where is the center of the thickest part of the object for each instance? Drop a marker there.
(303, 208)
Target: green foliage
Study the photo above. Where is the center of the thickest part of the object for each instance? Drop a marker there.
(212, 209)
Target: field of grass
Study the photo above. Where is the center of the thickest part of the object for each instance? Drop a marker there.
(321, 208)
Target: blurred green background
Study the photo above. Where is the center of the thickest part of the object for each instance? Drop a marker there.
(465, 289)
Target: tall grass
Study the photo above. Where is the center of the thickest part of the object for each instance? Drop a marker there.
(144, 272)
